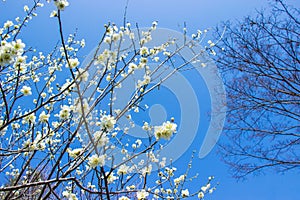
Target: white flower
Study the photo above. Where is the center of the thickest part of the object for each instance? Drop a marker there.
(154, 23)
(43, 95)
(142, 195)
(146, 126)
(144, 51)
(143, 61)
(132, 67)
(64, 113)
(82, 75)
(211, 44)
(138, 142)
(8, 24)
(107, 122)
(147, 79)
(108, 78)
(163, 162)
(212, 52)
(61, 4)
(82, 43)
(166, 53)
(15, 125)
(29, 118)
(53, 13)
(73, 63)
(69, 195)
(147, 170)
(185, 193)
(115, 37)
(111, 178)
(211, 190)
(40, 5)
(65, 193)
(101, 138)
(156, 58)
(44, 117)
(26, 8)
(84, 108)
(179, 179)
(26, 91)
(165, 131)
(18, 45)
(75, 152)
(123, 169)
(96, 160)
(123, 198)
(131, 36)
(156, 192)
(205, 188)
(200, 195)
(38, 143)
(107, 40)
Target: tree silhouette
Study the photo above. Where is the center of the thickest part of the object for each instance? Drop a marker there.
(260, 64)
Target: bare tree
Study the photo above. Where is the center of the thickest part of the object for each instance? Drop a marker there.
(260, 64)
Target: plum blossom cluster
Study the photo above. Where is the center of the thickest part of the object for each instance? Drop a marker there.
(61, 4)
(165, 131)
(62, 134)
(11, 52)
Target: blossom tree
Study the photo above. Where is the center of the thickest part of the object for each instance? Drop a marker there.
(59, 124)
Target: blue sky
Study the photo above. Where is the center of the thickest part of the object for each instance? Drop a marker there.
(89, 16)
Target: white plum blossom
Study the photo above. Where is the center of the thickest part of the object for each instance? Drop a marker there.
(43, 95)
(82, 107)
(26, 90)
(205, 188)
(144, 51)
(18, 46)
(53, 13)
(107, 40)
(44, 117)
(61, 4)
(132, 67)
(8, 24)
(9, 51)
(64, 112)
(123, 169)
(115, 37)
(107, 122)
(200, 195)
(123, 198)
(142, 195)
(147, 170)
(38, 143)
(111, 178)
(75, 152)
(15, 125)
(185, 193)
(146, 126)
(69, 195)
(96, 160)
(143, 61)
(101, 138)
(179, 179)
(26, 8)
(165, 131)
(29, 118)
(73, 63)
(82, 75)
